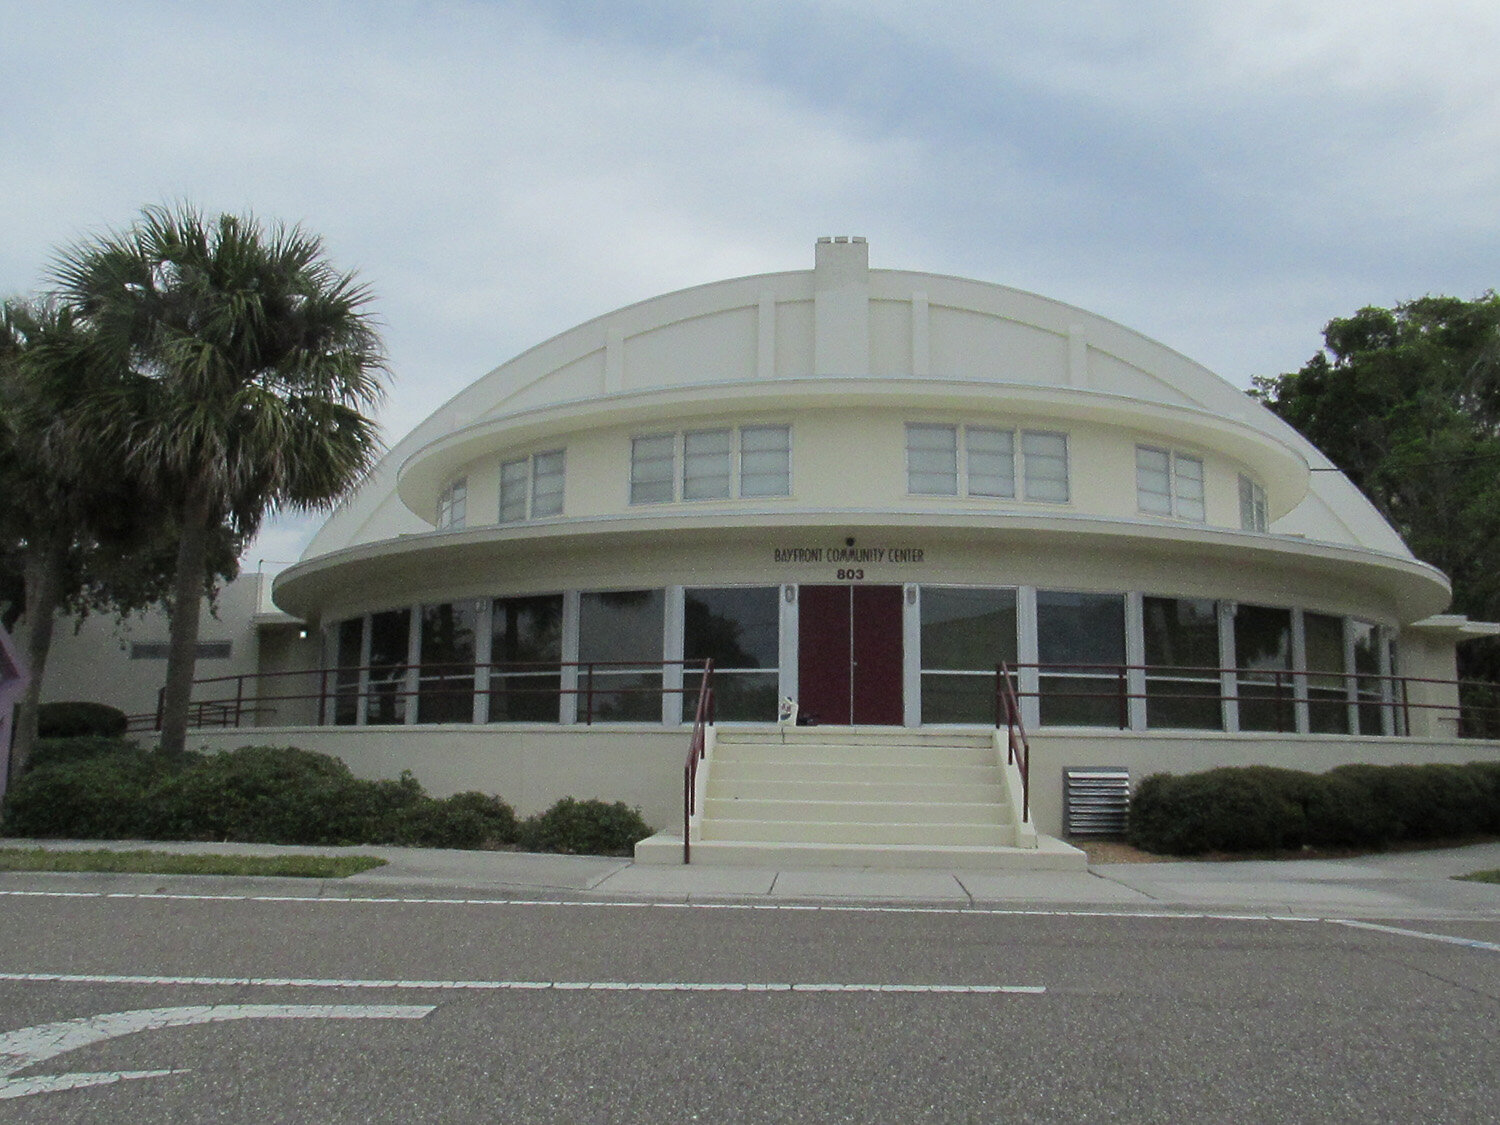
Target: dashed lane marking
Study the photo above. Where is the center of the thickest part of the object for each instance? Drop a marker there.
(523, 985)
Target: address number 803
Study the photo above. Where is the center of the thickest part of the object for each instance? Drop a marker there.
(851, 575)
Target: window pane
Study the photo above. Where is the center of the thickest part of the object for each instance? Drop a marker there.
(446, 685)
(966, 697)
(547, 484)
(652, 466)
(1370, 688)
(1088, 630)
(453, 504)
(968, 630)
(513, 490)
(525, 649)
(735, 628)
(932, 460)
(1328, 701)
(389, 634)
(625, 626)
(1182, 657)
(1252, 505)
(705, 465)
(1153, 486)
(1263, 655)
(1189, 481)
(992, 465)
(1044, 459)
(349, 641)
(766, 461)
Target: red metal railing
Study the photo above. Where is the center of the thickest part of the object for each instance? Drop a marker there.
(1018, 749)
(332, 696)
(703, 718)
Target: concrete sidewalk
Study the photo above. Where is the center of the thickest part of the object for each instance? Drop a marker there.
(1391, 885)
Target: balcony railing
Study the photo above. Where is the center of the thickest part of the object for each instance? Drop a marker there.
(1118, 696)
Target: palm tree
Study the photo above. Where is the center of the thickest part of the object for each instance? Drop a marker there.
(246, 361)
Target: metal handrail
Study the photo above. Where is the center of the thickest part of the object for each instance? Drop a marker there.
(703, 718)
(1018, 748)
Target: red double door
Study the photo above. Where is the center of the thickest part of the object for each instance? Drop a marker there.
(849, 654)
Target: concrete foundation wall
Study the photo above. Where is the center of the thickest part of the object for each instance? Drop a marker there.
(1146, 753)
(532, 767)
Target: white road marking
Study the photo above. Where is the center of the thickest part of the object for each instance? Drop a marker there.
(31, 1045)
(517, 985)
(1449, 939)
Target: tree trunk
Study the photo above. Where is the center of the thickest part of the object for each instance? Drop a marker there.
(187, 601)
(43, 575)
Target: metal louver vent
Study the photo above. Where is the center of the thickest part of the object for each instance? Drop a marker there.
(1096, 800)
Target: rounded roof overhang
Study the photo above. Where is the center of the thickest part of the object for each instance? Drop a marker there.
(1414, 589)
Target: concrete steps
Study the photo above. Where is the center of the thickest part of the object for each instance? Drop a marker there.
(858, 797)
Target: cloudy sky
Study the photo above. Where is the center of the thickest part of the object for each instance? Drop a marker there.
(1224, 177)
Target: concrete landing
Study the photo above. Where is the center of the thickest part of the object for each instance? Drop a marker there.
(1050, 854)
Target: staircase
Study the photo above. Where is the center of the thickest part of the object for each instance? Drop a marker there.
(862, 797)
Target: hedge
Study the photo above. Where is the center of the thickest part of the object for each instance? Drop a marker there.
(96, 788)
(1266, 808)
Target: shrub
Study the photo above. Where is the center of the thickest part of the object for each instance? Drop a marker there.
(279, 795)
(79, 719)
(1220, 810)
(92, 797)
(464, 820)
(58, 751)
(584, 828)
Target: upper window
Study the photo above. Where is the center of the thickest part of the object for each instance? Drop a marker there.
(716, 464)
(1252, 505)
(1168, 483)
(988, 462)
(453, 504)
(531, 487)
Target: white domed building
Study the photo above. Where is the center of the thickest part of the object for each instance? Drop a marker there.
(861, 490)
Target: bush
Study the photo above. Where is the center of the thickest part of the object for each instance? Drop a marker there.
(94, 797)
(1221, 810)
(1263, 808)
(80, 719)
(59, 751)
(590, 827)
(464, 820)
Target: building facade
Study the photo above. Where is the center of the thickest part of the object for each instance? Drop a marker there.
(862, 490)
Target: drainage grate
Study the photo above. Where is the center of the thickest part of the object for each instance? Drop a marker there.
(1096, 800)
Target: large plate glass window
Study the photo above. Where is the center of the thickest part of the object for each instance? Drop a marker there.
(1328, 695)
(445, 687)
(390, 659)
(966, 635)
(1081, 649)
(1263, 657)
(1371, 688)
(620, 644)
(348, 639)
(739, 629)
(525, 659)
(1182, 662)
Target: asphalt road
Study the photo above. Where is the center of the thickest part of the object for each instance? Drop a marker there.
(320, 1010)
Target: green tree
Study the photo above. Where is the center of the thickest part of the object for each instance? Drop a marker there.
(75, 533)
(246, 362)
(1406, 401)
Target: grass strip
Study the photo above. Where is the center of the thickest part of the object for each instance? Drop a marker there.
(174, 863)
(1481, 876)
